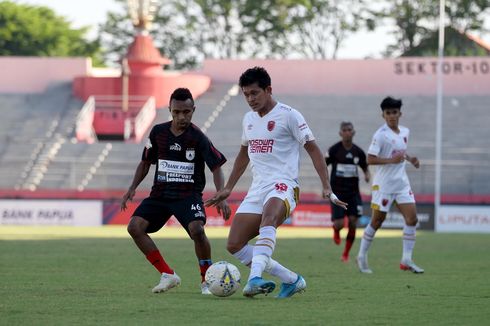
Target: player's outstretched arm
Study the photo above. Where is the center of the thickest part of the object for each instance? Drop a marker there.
(321, 168)
(219, 181)
(139, 175)
(239, 168)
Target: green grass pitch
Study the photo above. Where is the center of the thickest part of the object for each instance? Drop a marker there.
(96, 276)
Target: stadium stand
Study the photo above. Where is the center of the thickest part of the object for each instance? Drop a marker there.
(37, 149)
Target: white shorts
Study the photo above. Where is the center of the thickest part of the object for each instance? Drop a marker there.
(383, 201)
(256, 198)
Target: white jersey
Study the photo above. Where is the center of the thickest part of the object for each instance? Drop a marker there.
(274, 142)
(390, 178)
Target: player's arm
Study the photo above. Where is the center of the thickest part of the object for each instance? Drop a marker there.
(321, 168)
(413, 159)
(139, 175)
(376, 160)
(364, 166)
(219, 182)
(239, 167)
(367, 174)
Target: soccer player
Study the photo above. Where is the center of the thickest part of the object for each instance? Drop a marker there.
(388, 150)
(271, 139)
(344, 157)
(179, 149)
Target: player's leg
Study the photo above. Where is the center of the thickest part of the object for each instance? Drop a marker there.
(191, 215)
(409, 212)
(380, 204)
(275, 212)
(350, 238)
(354, 211)
(338, 214)
(243, 229)
(202, 248)
(263, 248)
(151, 220)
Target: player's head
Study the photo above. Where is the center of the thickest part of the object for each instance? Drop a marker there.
(346, 131)
(255, 75)
(181, 107)
(391, 108)
(256, 87)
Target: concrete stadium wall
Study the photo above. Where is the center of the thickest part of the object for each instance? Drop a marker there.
(400, 76)
(26, 75)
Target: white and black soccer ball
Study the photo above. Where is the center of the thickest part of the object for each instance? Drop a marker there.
(222, 279)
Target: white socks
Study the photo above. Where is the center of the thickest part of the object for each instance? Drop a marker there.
(408, 242)
(366, 240)
(245, 255)
(259, 259)
(263, 249)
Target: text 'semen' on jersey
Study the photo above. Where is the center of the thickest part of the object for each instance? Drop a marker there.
(180, 161)
(274, 142)
(345, 176)
(390, 178)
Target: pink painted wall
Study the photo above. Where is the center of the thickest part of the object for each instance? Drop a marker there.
(417, 76)
(160, 86)
(34, 74)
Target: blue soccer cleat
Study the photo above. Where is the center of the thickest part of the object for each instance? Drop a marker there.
(289, 289)
(258, 285)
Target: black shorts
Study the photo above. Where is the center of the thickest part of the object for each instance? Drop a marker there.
(354, 207)
(158, 212)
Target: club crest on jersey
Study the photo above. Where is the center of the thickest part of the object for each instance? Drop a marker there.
(405, 139)
(190, 153)
(356, 160)
(271, 125)
(384, 202)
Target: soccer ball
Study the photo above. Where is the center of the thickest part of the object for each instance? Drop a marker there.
(223, 279)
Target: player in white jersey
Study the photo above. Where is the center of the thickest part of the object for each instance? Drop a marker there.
(272, 136)
(388, 151)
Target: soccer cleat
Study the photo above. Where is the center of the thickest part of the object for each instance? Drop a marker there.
(288, 289)
(409, 265)
(167, 281)
(205, 289)
(336, 237)
(258, 285)
(362, 263)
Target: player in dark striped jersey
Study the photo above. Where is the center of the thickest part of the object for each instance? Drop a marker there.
(179, 149)
(345, 157)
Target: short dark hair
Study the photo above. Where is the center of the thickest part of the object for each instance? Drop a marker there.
(346, 124)
(255, 75)
(181, 94)
(391, 103)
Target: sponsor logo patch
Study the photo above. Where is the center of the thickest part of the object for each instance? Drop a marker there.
(175, 147)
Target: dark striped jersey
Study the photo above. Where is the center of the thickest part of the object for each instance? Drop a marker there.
(344, 178)
(179, 161)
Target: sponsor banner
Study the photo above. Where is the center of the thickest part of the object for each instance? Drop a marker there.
(312, 215)
(51, 212)
(112, 214)
(394, 220)
(306, 214)
(463, 218)
(303, 215)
